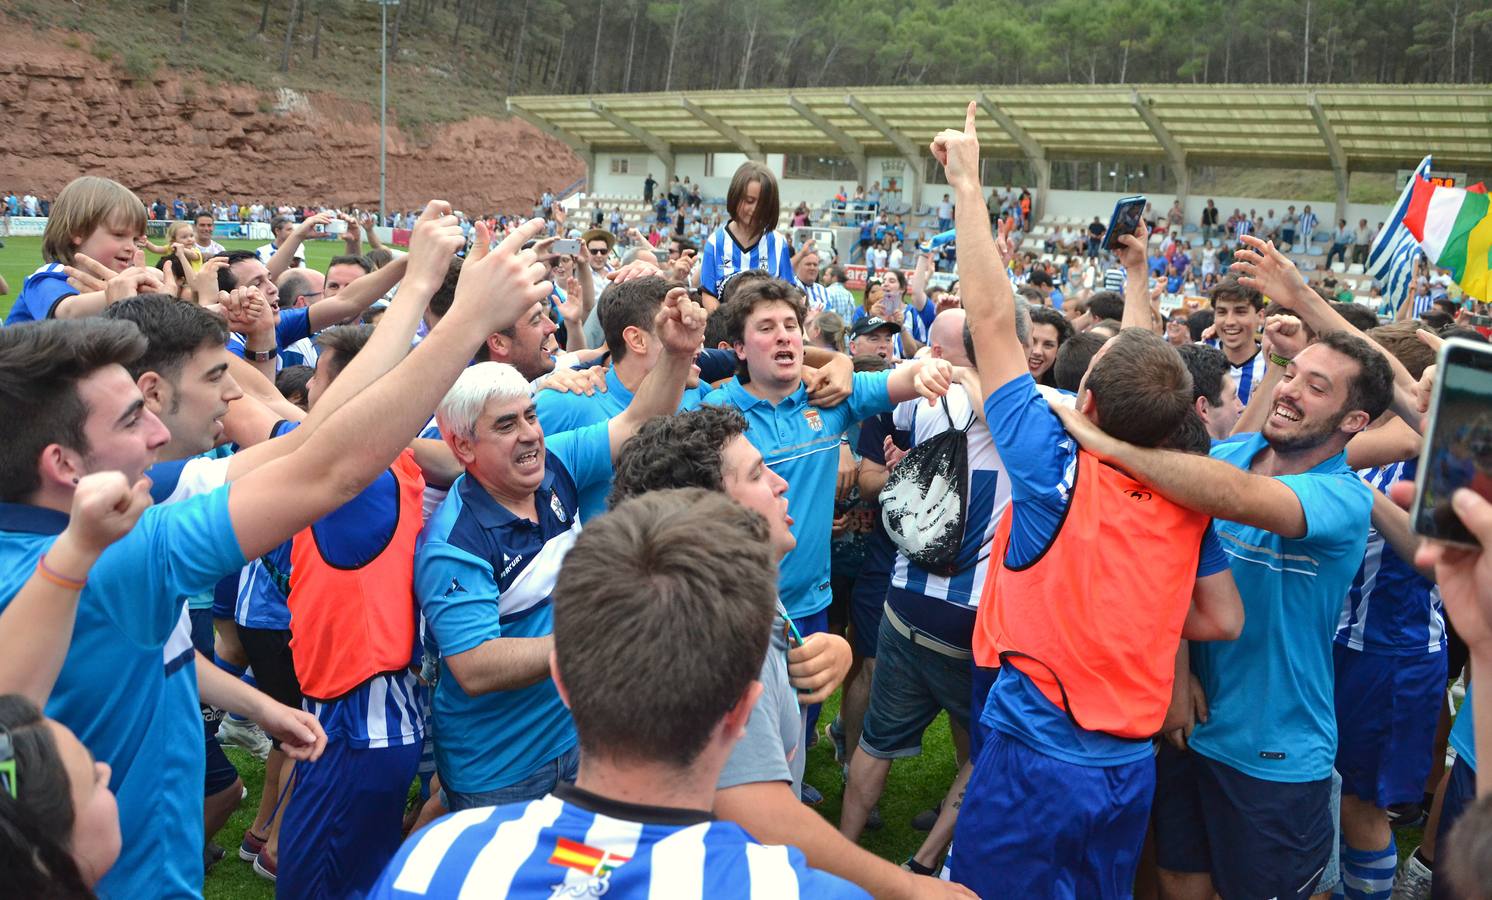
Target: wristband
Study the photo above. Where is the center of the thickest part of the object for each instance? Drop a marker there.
(62, 581)
(1278, 360)
(261, 355)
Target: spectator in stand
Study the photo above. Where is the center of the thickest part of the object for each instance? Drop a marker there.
(1176, 217)
(1361, 239)
(1209, 220)
(1308, 223)
(945, 214)
(1341, 239)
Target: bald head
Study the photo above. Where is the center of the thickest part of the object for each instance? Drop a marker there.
(301, 286)
(946, 337)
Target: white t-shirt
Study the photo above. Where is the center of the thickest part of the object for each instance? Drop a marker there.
(267, 251)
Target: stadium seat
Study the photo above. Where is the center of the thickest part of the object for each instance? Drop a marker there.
(1355, 269)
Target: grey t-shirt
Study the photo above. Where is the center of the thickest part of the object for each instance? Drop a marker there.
(772, 749)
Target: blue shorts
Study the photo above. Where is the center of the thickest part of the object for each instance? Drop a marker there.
(911, 685)
(1387, 710)
(541, 781)
(1257, 838)
(1460, 792)
(344, 821)
(1034, 826)
(867, 603)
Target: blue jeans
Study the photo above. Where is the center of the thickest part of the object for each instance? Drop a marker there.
(540, 782)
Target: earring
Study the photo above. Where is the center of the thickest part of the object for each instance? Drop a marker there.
(75, 480)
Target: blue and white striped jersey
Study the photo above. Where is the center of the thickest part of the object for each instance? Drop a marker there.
(1247, 373)
(989, 494)
(817, 294)
(1391, 609)
(724, 257)
(387, 710)
(574, 844)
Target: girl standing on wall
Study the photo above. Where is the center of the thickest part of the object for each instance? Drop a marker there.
(749, 239)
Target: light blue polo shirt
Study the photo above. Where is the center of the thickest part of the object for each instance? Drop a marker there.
(1269, 693)
(801, 443)
(483, 573)
(111, 691)
(562, 412)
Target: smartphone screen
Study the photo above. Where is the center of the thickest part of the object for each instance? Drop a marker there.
(1458, 450)
(1125, 220)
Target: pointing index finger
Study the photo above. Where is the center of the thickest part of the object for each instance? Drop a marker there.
(511, 243)
(969, 117)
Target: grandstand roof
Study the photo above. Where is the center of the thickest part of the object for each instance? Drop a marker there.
(1344, 127)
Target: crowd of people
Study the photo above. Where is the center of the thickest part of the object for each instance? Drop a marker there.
(574, 547)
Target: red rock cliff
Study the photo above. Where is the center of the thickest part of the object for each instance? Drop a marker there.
(63, 114)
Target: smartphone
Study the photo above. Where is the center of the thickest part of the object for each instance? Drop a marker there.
(1125, 220)
(336, 227)
(1458, 442)
(1480, 321)
(565, 247)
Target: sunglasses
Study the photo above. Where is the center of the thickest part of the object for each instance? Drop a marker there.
(595, 250)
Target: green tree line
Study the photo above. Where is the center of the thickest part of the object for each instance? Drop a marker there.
(631, 45)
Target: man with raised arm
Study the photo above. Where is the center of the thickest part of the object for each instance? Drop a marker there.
(1092, 585)
(1244, 811)
(73, 409)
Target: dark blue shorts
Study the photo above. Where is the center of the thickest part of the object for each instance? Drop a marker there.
(225, 598)
(867, 603)
(1034, 826)
(1460, 792)
(1257, 838)
(221, 774)
(1387, 708)
(344, 821)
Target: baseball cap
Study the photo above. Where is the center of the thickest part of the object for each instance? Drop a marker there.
(871, 323)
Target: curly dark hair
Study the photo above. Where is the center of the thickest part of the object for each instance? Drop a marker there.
(676, 452)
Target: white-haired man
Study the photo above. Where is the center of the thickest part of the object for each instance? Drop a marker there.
(488, 559)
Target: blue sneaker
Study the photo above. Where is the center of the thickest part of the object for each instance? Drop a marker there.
(810, 795)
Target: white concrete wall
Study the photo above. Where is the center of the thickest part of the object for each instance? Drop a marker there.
(790, 191)
(1061, 203)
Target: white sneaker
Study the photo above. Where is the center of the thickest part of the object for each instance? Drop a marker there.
(245, 734)
(1413, 882)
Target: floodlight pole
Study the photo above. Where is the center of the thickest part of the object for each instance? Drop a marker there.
(383, 106)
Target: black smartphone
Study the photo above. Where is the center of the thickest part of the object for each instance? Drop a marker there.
(1458, 442)
(1125, 220)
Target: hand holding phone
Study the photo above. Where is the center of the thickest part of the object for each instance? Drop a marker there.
(1458, 442)
(1125, 220)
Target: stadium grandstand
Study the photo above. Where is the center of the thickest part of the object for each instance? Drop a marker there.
(861, 136)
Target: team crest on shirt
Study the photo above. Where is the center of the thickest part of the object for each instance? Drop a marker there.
(559, 508)
(811, 416)
(595, 863)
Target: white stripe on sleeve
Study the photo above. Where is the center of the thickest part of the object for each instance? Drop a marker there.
(491, 873)
(772, 876)
(678, 870)
(420, 866)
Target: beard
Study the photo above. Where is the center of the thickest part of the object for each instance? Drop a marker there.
(1306, 439)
